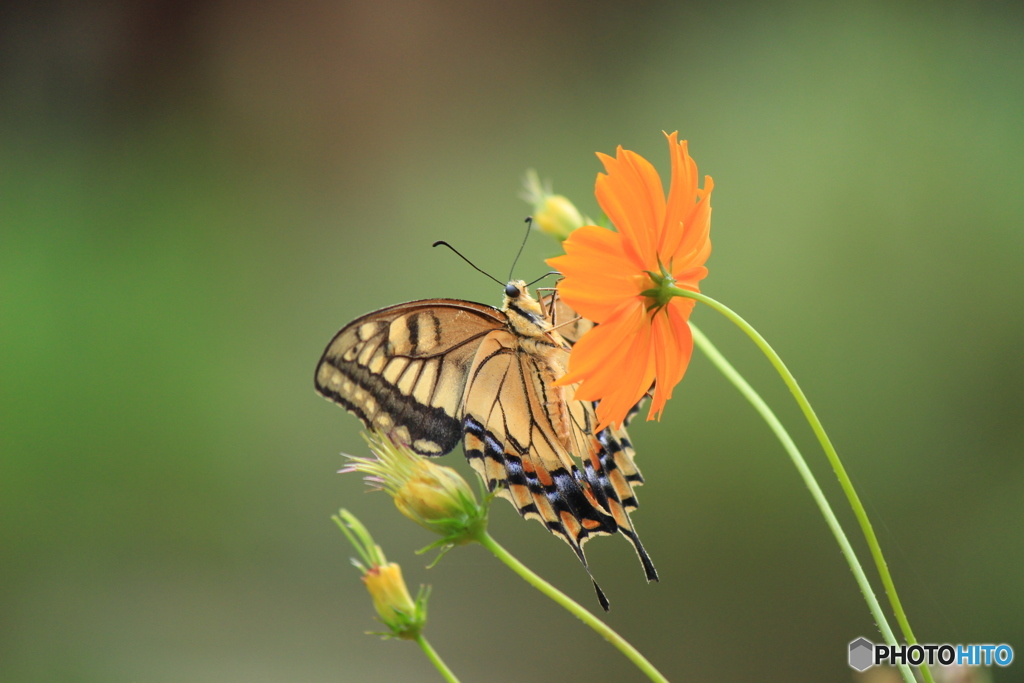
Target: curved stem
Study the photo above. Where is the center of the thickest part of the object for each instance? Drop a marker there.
(830, 452)
(436, 660)
(726, 368)
(572, 606)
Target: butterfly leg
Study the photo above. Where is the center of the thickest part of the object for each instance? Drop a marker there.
(551, 299)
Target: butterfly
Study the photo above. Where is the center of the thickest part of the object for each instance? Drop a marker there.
(429, 374)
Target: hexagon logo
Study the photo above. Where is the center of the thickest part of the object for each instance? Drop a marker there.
(862, 654)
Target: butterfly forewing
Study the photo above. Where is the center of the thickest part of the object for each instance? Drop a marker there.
(402, 370)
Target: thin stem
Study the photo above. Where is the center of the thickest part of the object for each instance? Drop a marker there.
(783, 436)
(572, 606)
(830, 452)
(436, 660)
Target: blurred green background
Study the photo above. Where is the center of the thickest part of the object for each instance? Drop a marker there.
(195, 196)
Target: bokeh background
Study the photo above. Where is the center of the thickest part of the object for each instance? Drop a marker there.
(195, 196)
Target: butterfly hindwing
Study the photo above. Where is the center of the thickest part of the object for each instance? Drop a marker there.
(402, 369)
(615, 469)
(530, 456)
(515, 443)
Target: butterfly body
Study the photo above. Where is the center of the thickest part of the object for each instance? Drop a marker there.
(432, 373)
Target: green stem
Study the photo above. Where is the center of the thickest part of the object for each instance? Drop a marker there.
(783, 436)
(436, 659)
(574, 608)
(830, 452)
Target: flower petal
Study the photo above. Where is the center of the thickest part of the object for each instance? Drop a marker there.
(681, 196)
(689, 278)
(694, 248)
(624, 378)
(664, 361)
(615, 364)
(635, 381)
(651, 192)
(632, 196)
(673, 344)
(598, 276)
(603, 346)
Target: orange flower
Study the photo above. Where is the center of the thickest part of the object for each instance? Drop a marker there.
(620, 280)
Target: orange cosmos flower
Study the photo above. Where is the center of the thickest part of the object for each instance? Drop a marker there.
(619, 279)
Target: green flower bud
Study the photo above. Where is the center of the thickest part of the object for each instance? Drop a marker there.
(434, 496)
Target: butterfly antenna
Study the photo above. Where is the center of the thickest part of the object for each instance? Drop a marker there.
(440, 242)
(553, 272)
(529, 224)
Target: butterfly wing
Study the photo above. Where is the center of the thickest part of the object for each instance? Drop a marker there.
(614, 468)
(402, 370)
(535, 445)
(427, 373)
(513, 441)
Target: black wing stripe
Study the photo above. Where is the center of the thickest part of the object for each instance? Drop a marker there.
(424, 423)
(437, 327)
(362, 368)
(412, 323)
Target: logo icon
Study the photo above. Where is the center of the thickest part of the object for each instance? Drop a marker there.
(861, 654)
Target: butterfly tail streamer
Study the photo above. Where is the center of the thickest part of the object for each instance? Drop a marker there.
(616, 474)
(601, 598)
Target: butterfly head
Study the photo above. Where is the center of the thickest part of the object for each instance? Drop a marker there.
(524, 312)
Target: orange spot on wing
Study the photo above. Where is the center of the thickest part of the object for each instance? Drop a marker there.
(545, 477)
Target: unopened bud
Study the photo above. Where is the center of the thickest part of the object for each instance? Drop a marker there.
(553, 214)
(404, 617)
(390, 596)
(557, 217)
(434, 496)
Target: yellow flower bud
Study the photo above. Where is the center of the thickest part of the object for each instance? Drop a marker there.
(390, 596)
(557, 217)
(404, 617)
(553, 214)
(434, 496)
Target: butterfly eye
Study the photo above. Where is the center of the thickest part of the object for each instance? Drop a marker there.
(511, 291)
